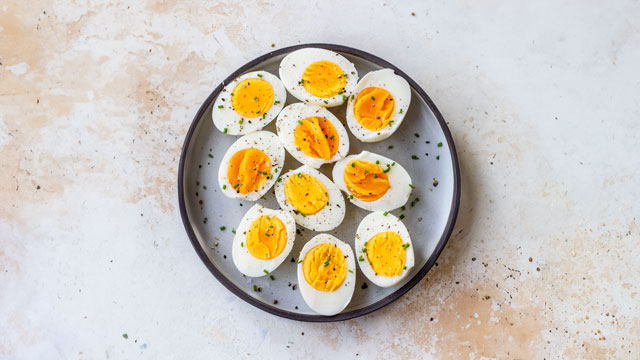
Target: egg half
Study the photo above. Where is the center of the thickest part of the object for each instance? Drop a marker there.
(251, 165)
(384, 249)
(264, 238)
(312, 134)
(312, 198)
(380, 102)
(373, 182)
(326, 274)
(248, 103)
(318, 76)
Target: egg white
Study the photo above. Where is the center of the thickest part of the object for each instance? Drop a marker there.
(324, 302)
(399, 89)
(324, 220)
(262, 140)
(373, 224)
(399, 182)
(288, 121)
(242, 258)
(225, 117)
(292, 68)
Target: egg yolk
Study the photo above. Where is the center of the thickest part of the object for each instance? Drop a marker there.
(252, 97)
(386, 254)
(248, 170)
(305, 193)
(267, 237)
(373, 108)
(365, 180)
(324, 79)
(324, 267)
(317, 137)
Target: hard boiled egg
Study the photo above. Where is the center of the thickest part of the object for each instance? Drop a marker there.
(251, 165)
(318, 76)
(378, 106)
(248, 103)
(326, 274)
(384, 249)
(373, 182)
(312, 134)
(263, 240)
(314, 201)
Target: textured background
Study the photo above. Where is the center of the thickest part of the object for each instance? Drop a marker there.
(542, 101)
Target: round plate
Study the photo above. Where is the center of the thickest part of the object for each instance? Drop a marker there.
(430, 213)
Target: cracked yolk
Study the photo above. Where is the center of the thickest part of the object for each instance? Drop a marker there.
(324, 267)
(373, 108)
(324, 79)
(306, 193)
(386, 254)
(248, 170)
(252, 97)
(317, 137)
(267, 237)
(365, 180)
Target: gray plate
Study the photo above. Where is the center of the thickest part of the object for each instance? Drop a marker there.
(430, 221)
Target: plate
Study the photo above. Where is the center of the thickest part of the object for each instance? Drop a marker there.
(429, 216)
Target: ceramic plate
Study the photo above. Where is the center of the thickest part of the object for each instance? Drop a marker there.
(430, 219)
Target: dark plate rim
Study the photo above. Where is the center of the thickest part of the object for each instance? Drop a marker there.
(453, 214)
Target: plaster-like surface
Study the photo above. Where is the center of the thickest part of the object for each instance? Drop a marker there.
(542, 101)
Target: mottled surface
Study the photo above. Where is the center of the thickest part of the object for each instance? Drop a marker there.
(542, 100)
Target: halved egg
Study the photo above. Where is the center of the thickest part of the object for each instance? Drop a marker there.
(373, 182)
(318, 76)
(248, 103)
(378, 106)
(251, 165)
(263, 240)
(315, 201)
(312, 134)
(326, 274)
(384, 249)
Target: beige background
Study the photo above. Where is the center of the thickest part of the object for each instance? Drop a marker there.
(542, 101)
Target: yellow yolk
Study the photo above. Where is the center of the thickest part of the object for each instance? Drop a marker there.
(317, 137)
(305, 193)
(267, 237)
(252, 97)
(365, 180)
(324, 267)
(373, 108)
(324, 79)
(248, 170)
(386, 254)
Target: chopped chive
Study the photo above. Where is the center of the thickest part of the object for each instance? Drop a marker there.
(385, 213)
(353, 97)
(279, 179)
(299, 122)
(440, 144)
(299, 175)
(233, 231)
(265, 271)
(351, 271)
(125, 336)
(377, 162)
(276, 102)
(366, 171)
(326, 263)
(340, 92)
(231, 94)
(438, 157)
(405, 268)
(416, 135)
(400, 111)
(299, 261)
(224, 187)
(375, 176)
(393, 163)
(360, 258)
(303, 215)
(344, 97)
(240, 121)
(325, 101)
(223, 228)
(271, 277)
(372, 98)
(264, 115)
(411, 186)
(345, 75)
(211, 156)
(255, 287)
(205, 220)
(353, 164)
(258, 112)
(405, 245)
(365, 243)
(225, 130)
(259, 75)
(401, 216)
(204, 187)
(403, 208)
(255, 98)
(414, 157)
(332, 137)
(390, 147)
(220, 106)
(350, 196)
(241, 244)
